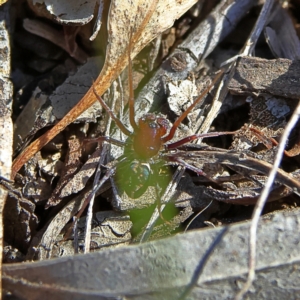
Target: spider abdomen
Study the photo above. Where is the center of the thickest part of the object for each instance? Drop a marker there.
(133, 177)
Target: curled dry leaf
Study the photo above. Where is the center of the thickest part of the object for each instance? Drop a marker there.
(77, 12)
(142, 21)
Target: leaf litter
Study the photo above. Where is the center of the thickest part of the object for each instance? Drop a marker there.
(266, 113)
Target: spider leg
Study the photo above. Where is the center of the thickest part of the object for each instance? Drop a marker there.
(131, 92)
(268, 142)
(195, 137)
(188, 110)
(112, 114)
(181, 162)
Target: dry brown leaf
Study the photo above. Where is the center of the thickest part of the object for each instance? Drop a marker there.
(140, 19)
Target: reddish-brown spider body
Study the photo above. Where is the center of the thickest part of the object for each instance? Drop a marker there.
(147, 138)
(135, 171)
(141, 159)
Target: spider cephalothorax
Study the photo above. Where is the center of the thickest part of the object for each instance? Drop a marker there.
(147, 138)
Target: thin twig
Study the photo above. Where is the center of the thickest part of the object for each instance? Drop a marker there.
(197, 215)
(217, 102)
(262, 200)
(255, 33)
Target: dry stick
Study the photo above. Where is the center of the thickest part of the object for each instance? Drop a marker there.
(255, 33)
(154, 53)
(89, 216)
(262, 200)
(217, 102)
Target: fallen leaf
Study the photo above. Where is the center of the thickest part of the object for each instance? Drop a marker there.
(77, 12)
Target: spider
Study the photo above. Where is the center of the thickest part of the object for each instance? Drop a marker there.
(138, 167)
